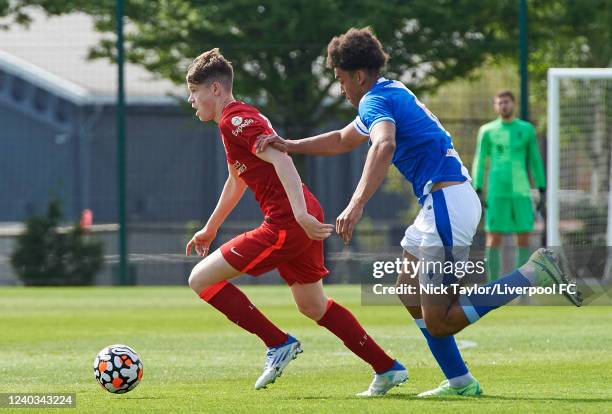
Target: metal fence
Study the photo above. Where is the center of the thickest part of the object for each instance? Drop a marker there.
(176, 169)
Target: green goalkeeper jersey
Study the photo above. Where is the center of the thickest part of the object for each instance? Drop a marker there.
(512, 150)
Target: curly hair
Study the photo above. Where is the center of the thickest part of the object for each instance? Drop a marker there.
(357, 49)
(211, 66)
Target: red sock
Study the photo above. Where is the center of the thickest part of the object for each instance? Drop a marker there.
(234, 304)
(341, 322)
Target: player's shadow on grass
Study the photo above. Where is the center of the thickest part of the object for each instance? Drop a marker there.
(483, 398)
(144, 398)
(489, 397)
(580, 399)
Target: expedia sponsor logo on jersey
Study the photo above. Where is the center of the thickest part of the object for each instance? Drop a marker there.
(242, 126)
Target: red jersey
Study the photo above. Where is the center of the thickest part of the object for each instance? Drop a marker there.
(241, 125)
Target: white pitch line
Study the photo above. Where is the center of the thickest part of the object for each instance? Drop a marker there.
(465, 344)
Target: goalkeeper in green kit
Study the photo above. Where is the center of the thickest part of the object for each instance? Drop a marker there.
(511, 147)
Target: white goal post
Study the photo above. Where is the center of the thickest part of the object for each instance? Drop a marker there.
(579, 150)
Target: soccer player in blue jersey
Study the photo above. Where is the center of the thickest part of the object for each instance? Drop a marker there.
(401, 130)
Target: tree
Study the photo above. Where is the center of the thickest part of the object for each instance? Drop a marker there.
(46, 256)
(278, 47)
(13, 12)
(570, 33)
(577, 33)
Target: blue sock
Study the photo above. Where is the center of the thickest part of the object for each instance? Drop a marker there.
(445, 351)
(476, 305)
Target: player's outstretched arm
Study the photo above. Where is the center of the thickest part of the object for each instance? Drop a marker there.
(233, 190)
(375, 170)
(289, 177)
(329, 143)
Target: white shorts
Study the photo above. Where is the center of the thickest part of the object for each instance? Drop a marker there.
(444, 228)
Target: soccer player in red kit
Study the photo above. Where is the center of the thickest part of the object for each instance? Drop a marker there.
(290, 239)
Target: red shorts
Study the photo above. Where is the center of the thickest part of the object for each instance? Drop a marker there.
(285, 247)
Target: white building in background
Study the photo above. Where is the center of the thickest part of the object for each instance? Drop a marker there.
(59, 45)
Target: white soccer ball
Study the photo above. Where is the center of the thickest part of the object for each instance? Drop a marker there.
(118, 368)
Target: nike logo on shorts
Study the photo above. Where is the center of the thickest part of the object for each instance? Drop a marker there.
(233, 250)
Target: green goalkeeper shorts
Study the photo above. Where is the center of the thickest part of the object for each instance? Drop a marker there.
(509, 215)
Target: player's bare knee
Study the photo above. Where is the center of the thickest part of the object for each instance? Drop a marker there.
(196, 280)
(437, 327)
(437, 330)
(314, 311)
(494, 240)
(415, 311)
(193, 281)
(311, 311)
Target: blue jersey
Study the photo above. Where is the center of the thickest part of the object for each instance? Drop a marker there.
(424, 152)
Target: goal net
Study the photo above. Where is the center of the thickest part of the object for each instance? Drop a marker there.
(579, 159)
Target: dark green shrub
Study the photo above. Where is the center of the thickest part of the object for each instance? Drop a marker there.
(48, 256)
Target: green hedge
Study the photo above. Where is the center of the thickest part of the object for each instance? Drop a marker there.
(45, 256)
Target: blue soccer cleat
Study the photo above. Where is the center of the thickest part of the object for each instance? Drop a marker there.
(382, 383)
(277, 358)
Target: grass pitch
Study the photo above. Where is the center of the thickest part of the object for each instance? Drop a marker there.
(528, 359)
